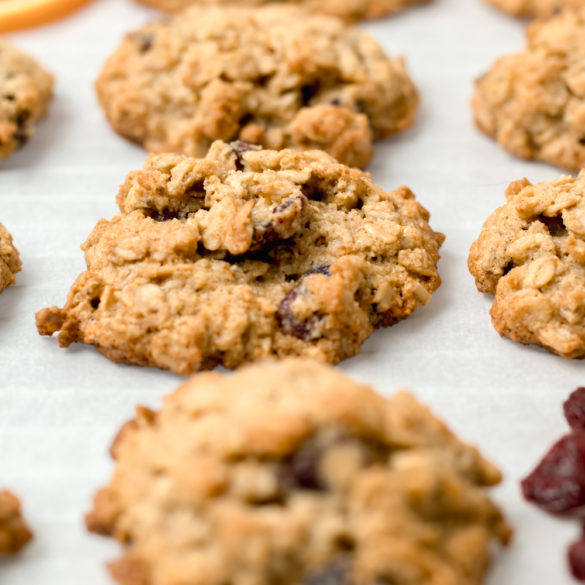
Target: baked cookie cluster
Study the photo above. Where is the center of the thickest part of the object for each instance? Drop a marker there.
(292, 473)
(533, 102)
(14, 532)
(533, 8)
(531, 256)
(274, 76)
(346, 9)
(26, 90)
(244, 254)
(10, 262)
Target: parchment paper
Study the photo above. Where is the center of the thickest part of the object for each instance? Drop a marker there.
(59, 409)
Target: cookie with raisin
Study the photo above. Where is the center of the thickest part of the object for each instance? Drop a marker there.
(292, 473)
(275, 76)
(26, 89)
(531, 256)
(244, 254)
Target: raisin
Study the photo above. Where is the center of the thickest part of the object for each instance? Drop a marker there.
(557, 485)
(290, 324)
(302, 470)
(336, 573)
(21, 135)
(319, 269)
(239, 147)
(574, 409)
(576, 556)
(281, 221)
(144, 40)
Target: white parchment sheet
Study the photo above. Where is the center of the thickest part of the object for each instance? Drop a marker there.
(59, 409)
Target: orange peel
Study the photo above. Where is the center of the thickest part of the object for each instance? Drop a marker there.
(20, 14)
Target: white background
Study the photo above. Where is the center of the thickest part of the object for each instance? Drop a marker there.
(59, 409)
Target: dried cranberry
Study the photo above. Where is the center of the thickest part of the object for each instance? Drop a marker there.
(557, 485)
(574, 409)
(576, 555)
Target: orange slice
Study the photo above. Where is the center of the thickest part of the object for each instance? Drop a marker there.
(19, 14)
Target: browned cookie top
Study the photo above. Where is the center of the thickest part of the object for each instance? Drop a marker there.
(290, 473)
(25, 91)
(532, 8)
(14, 533)
(274, 76)
(346, 9)
(533, 102)
(248, 253)
(531, 255)
(9, 259)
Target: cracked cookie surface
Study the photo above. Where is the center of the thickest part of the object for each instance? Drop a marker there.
(14, 533)
(534, 8)
(533, 102)
(244, 254)
(25, 91)
(9, 259)
(531, 256)
(292, 473)
(274, 76)
(346, 9)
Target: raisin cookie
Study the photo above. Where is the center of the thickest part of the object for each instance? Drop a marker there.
(9, 259)
(346, 9)
(531, 255)
(25, 91)
(533, 102)
(274, 76)
(247, 253)
(292, 473)
(14, 533)
(534, 8)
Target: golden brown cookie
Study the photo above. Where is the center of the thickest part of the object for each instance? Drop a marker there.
(292, 473)
(531, 255)
(9, 259)
(245, 254)
(14, 533)
(534, 8)
(533, 102)
(275, 76)
(346, 9)
(25, 91)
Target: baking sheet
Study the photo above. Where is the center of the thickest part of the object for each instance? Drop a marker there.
(59, 409)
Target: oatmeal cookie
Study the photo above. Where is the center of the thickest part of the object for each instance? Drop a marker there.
(531, 255)
(25, 91)
(347, 9)
(9, 259)
(533, 102)
(247, 253)
(292, 473)
(14, 533)
(534, 8)
(274, 76)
